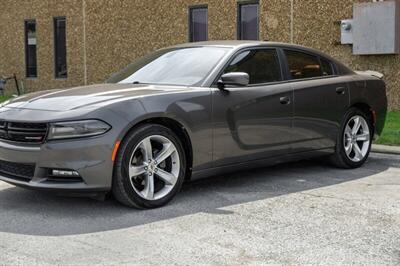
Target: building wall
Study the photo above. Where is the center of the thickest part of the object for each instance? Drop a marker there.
(314, 26)
(12, 41)
(105, 35)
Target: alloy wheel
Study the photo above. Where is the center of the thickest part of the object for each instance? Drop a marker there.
(357, 138)
(154, 167)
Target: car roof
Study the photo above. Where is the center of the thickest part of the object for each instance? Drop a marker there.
(236, 44)
(244, 44)
(239, 44)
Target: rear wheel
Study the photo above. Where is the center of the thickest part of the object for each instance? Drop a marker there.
(354, 142)
(150, 167)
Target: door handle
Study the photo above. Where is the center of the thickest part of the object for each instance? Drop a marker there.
(341, 90)
(285, 100)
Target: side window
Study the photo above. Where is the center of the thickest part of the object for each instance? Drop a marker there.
(327, 69)
(261, 65)
(302, 65)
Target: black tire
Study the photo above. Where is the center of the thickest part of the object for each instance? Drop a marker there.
(122, 188)
(339, 158)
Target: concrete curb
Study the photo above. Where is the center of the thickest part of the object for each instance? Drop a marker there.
(386, 149)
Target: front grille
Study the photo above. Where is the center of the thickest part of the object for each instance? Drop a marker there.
(23, 132)
(17, 170)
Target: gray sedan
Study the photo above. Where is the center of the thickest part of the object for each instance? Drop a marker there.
(187, 112)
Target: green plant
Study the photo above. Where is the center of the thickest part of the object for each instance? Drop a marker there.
(391, 132)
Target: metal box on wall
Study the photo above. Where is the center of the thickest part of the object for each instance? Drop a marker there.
(376, 28)
(346, 27)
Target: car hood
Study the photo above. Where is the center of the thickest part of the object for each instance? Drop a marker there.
(86, 96)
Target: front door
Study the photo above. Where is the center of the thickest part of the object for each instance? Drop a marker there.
(253, 122)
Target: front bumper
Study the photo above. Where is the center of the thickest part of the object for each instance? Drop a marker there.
(90, 157)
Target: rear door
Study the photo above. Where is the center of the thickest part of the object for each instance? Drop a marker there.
(321, 100)
(253, 122)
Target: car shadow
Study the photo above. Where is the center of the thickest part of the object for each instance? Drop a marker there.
(36, 213)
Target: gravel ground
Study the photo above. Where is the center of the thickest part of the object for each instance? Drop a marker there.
(304, 213)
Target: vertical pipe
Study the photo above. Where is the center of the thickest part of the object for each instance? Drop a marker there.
(84, 41)
(291, 21)
(16, 84)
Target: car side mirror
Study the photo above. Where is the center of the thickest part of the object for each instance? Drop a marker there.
(235, 79)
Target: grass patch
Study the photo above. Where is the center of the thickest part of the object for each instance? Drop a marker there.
(391, 132)
(4, 98)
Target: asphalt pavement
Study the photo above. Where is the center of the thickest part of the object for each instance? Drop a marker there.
(303, 213)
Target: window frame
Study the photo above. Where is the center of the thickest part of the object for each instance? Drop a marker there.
(26, 21)
(190, 30)
(330, 63)
(285, 73)
(55, 19)
(289, 78)
(227, 64)
(239, 17)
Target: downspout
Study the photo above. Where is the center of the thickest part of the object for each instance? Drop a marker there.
(291, 21)
(84, 41)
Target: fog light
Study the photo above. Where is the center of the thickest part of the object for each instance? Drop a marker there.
(64, 173)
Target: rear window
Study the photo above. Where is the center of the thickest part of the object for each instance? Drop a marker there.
(302, 65)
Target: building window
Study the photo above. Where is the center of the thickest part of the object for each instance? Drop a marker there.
(60, 48)
(198, 20)
(248, 20)
(30, 49)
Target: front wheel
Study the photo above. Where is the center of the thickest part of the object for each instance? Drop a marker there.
(149, 168)
(354, 142)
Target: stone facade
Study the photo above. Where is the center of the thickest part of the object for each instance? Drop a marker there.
(105, 35)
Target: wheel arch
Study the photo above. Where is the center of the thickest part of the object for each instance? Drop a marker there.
(177, 127)
(367, 109)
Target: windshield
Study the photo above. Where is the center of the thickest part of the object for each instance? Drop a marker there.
(177, 66)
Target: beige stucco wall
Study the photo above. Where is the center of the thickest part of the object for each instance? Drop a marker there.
(118, 31)
(13, 13)
(314, 25)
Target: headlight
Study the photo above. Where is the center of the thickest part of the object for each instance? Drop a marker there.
(77, 129)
